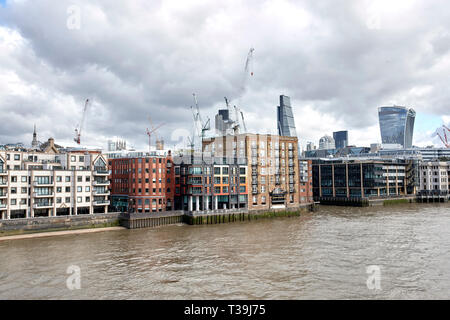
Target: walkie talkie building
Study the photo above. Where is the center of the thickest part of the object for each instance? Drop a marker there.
(397, 125)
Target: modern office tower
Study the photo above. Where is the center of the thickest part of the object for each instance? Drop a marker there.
(273, 175)
(397, 125)
(142, 182)
(223, 123)
(326, 142)
(285, 118)
(340, 139)
(52, 182)
(353, 178)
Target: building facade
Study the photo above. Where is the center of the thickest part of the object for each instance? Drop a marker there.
(327, 143)
(204, 184)
(397, 125)
(142, 182)
(52, 182)
(434, 177)
(285, 118)
(305, 188)
(364, 178)
(273, 172)
(340, 139)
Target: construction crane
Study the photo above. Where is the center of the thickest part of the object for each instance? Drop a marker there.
(441, 132)
(79, 127)
(200, 125)
(150, 131)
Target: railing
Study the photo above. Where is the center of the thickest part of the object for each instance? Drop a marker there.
(3, 183)
(4, 194)
(38, 183)
(2, 205)
(101, 171)
(101, 202)
(35, 194)
(96, 183)
(42, 205)
(101, 192)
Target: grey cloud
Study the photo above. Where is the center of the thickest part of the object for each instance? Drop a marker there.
(141, 58)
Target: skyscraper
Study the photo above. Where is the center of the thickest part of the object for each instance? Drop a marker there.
(340, 139)
(326, 143)
(397, 125)
(223, 122)
(285, 119)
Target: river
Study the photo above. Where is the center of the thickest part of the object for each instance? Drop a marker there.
(320, 255)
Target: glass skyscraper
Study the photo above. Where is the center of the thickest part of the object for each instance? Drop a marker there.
(397, 125)
(285, 119)
(340, 139)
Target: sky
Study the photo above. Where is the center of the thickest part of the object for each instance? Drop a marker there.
(337, 60)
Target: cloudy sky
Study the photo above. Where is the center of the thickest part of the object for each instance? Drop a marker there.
(337, 60)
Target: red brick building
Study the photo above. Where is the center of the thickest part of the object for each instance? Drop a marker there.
(142, 184)
(305, 181)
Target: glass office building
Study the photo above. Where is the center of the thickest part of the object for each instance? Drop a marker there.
(340, 139)
(285, 118)
(397, 125)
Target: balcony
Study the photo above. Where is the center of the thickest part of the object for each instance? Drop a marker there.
(101, 192)
(101, 172)
(2, 206)
(3, 172)
(43, 205)
(42, 184)
(101, 183)
(3, 195)
(38, 195)
(3, 183)
(101, 203)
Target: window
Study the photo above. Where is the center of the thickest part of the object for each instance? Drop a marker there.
(23, 201)
(17, 157)
(225, 170)
(58, 189)
(88, 179)
(88, 189)
(13, 202)
(242, 171)
(24, 178)
(67, 200)
(58, 178)
(88, 199)
(67, 189)
(79, 189)
(13, 179)
(81, 158)
(58, 200)
(216, 170)
(68, 179)
(73, 158)
(13, 190)
(24, 189)
(80, 179)
(79, 199)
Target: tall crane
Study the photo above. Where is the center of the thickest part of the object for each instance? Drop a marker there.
(79, 127)
(441, 132)
(200, 125)
(152, 130)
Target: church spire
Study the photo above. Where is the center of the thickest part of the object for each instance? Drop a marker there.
(34, 143)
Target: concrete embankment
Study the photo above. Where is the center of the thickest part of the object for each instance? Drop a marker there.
(365, 202)
(49, 226)
(60, 223)
(58, 233)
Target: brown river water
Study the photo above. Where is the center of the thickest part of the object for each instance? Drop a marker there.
(320, 255)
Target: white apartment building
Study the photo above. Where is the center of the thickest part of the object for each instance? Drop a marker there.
(50, 182)
(434, 176)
